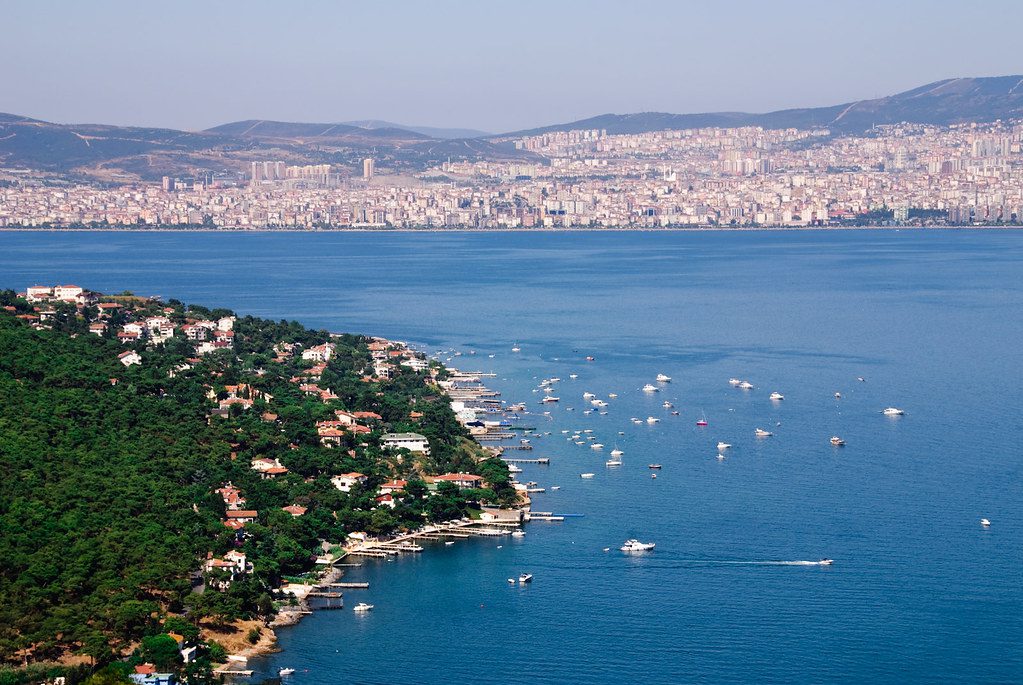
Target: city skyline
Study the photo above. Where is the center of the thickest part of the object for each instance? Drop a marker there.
(498, 67)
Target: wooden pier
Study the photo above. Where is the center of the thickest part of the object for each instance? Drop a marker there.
(541, 460)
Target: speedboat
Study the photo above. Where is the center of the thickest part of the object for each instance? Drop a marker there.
(588, 395)
(650, 388)
(826, 562)
(652, 419)
(734, 381)
(550, 398)
(837, 441)
(362, 606)
(597, 446)
(723, 446)
(634, 545)
(777, 396)
(653, 466)
(526, 578)
(661, 378)
(985, 523)
(861, 379)
(761, 433)
(285, 671)
(893, 411)
(555, 487)
(590, 359)
(449, 543)
(586, 475)
(516, 349)
(745, 385)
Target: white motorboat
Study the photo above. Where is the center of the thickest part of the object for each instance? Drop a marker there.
(526, 578)
(586, 475)
(449, 543)
(363, 607)
(661, 378)
(652, 419)
(285, 671)
(616, 452)
(776, 396)
(745, 385)
(550, 398)
(734, 381)
(613, 462)
(761, 433)
(723, 446)
(588, 396)
(667, 405)
(650, 388)
(985, 523)
(637, 421)
(597, 446)
(893, 411)
(838, 395)
(634, 545)
(518, 534)
(555, 487)
(826, 562)
(512, 468)
(516, 349)
(837, 441)
(573, 376)
(612, 395)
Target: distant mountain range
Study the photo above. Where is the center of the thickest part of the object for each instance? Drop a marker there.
(117, 153)
(941, 103)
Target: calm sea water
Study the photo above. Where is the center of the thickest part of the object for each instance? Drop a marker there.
(919, 591)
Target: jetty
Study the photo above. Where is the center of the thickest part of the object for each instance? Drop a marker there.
(518, 460)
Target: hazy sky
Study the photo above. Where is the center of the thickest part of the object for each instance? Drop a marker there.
(495, 65)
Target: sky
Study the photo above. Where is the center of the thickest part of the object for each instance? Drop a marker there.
(494, 65)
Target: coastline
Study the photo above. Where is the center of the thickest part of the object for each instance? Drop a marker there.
(536, 231)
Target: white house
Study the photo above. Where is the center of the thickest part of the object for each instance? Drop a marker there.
(319, 353)
(345, 481)
(413, 442)
(129, 358)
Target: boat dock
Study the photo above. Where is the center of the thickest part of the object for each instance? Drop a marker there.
(513, 460)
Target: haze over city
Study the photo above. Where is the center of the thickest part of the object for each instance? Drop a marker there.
(490, 66)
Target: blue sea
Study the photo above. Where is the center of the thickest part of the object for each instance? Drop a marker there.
(919, 591)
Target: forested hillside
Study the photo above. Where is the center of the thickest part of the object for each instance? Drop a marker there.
(111, 475)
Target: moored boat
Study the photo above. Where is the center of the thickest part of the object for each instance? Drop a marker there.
(633, 545)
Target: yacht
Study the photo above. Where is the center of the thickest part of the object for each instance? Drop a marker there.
(761, 433)
(362, 607)
(985, 523)
(588, 396)
(777, 396)
(634, 545)
(550, 398)
(650, 388)
(285, 671)
(723, 446)
(661, 378)
(597, 446)
(616, 452)
(893, 411)
(745, 385)
(512, 468)
(586, 475)
(667, 404)
(615, 461)
(518, 534)
(734, 381)
(652, 419)
(837, 441)
(526, 578)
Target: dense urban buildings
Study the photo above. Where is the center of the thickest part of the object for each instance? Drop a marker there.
(908, 173)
